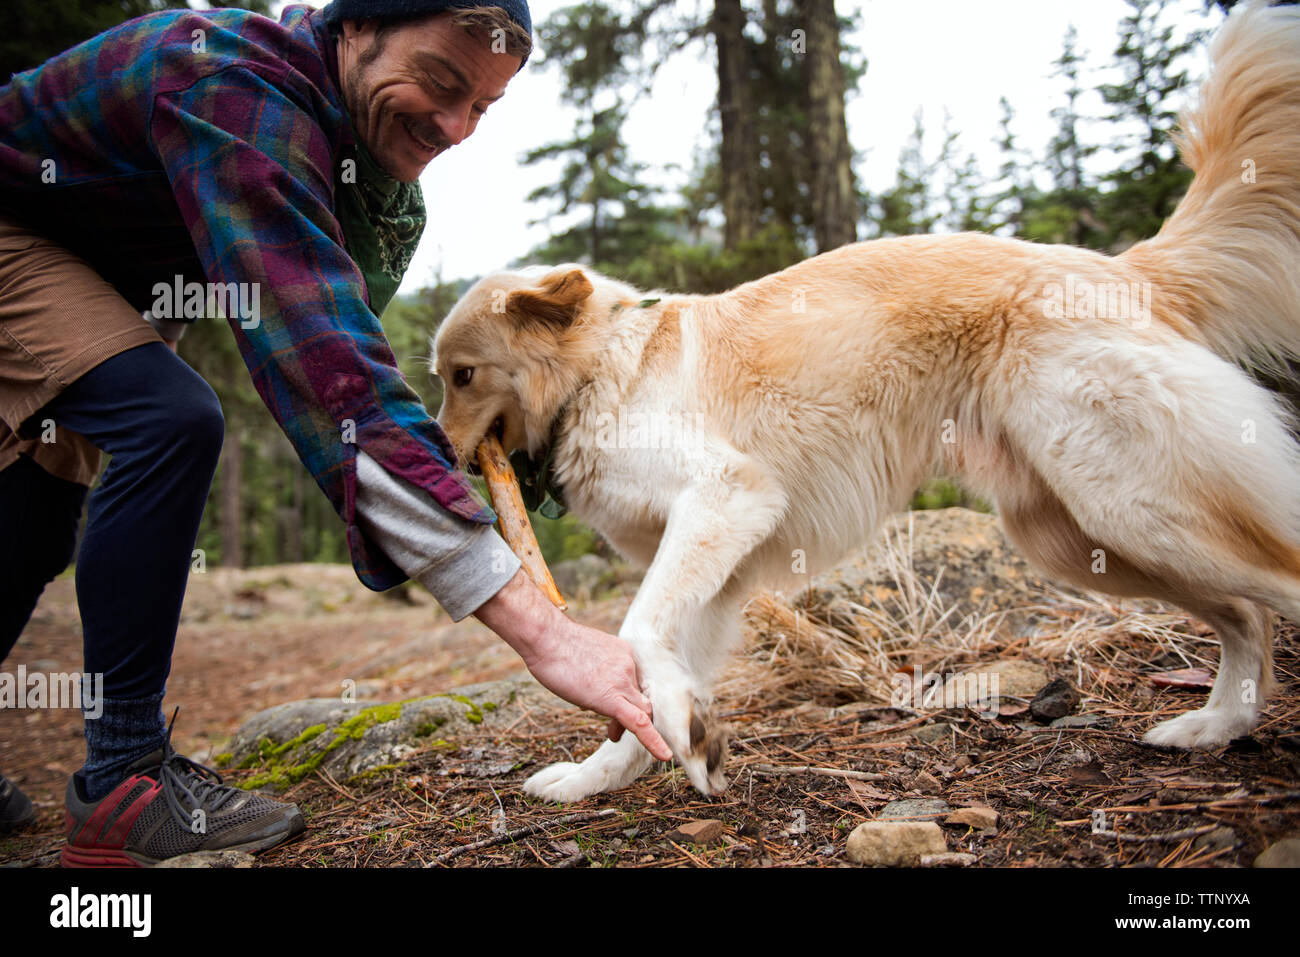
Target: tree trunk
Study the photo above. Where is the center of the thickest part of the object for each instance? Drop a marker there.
(232, 462)
(295, 526)
(738, 157)
(835, 212)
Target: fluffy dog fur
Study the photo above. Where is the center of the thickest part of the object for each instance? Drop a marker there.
(805, 406)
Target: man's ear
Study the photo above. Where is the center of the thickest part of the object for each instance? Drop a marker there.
(556, 302)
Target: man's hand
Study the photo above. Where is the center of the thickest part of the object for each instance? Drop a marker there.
(584, 666)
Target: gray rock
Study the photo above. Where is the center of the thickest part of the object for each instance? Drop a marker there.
(966, 552)
(1081, 721)
(1216, 840)
(1283, 853)
(583, 577)
(895, 843)
(1056, 700)
(948, 859)
(929, 733)
(215, 859)
(914, 809)
(290, 741)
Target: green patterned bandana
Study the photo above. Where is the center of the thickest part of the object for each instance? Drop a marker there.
(382, 219)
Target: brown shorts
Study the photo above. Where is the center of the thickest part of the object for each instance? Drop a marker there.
(58, 320)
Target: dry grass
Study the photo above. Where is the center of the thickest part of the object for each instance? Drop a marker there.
(833, 650)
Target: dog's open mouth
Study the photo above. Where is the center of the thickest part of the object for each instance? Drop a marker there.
(498, 428)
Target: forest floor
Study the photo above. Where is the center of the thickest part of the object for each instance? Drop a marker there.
(807, 762)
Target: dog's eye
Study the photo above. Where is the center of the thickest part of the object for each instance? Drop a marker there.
(462, 376)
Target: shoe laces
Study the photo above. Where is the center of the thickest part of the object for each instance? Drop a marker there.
(188, 785)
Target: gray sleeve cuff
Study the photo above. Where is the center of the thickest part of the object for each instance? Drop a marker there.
(167, 328)
(461, 563)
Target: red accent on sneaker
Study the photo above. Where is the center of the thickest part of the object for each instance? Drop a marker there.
(116, 837)
(89, 835)
(90, 857)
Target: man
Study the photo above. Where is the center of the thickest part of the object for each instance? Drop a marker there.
(276, 161)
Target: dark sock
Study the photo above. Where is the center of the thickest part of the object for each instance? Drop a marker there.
(127, 730)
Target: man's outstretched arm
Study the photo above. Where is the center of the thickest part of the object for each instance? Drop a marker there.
(470, 570)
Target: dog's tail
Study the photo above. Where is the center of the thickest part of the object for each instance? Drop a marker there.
(1229, 257)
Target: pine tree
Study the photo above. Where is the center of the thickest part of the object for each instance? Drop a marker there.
(1151, 178)
(618, 218)
(1014, 187)
(906, 208)
(964, 205)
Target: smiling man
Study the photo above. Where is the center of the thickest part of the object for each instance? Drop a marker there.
(274, 162)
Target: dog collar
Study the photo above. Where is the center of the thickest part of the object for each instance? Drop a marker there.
(537, 485)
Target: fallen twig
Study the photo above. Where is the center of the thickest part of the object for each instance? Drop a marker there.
(520, 832)
(828, 772)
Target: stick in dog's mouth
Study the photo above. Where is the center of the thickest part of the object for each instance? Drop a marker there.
(496, 430)
(503, 487)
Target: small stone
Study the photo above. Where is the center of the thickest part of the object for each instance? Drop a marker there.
(1216, 840)
(214, 859)
(697, 832)
(914, 809)
(926, 783)
(1080, 721)
(980, 818)
(930, 733)
(1013, 676)
(894, 843)
(1283, 853)
(1054, 701)
(948, 859)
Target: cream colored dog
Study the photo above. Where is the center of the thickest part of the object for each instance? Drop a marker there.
(1098, 400)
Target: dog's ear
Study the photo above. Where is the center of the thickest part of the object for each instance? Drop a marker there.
(556, 302)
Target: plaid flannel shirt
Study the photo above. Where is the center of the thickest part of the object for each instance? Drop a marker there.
(207, 144)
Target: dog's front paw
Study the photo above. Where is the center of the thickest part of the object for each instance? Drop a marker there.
(697, 737)
(564, 781)
(708, 750)
(1206, 729)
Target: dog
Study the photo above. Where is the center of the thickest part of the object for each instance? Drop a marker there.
(1103, 402)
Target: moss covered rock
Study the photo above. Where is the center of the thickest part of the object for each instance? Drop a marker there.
(288, 742)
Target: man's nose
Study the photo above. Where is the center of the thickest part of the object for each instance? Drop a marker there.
(455, 125)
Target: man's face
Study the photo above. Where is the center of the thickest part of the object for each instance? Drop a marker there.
(419, 89)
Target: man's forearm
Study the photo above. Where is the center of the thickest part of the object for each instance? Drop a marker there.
(463, 565)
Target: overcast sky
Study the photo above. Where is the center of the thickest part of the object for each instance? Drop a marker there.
(940, 54)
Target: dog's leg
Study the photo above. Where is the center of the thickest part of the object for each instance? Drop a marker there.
(1049, 535)
(1245, 677)
(614, 765)
(681, 625)
(1160, 470)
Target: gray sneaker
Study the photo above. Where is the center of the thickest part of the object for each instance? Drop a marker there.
(166, 806)
(15, 807)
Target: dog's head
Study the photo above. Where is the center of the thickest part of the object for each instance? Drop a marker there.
(510, 353)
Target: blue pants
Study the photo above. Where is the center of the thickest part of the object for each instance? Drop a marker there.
(162, 425)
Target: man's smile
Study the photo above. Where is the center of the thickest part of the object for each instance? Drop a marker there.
(422, 142)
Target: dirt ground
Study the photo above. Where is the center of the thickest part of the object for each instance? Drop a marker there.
(802, 775)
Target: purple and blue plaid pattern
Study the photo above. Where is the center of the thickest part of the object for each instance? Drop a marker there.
(208, 144)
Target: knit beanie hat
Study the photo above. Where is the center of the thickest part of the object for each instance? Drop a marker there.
(341, 10)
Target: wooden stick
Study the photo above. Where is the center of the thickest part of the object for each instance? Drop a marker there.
(503, 487)
(519, 832)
